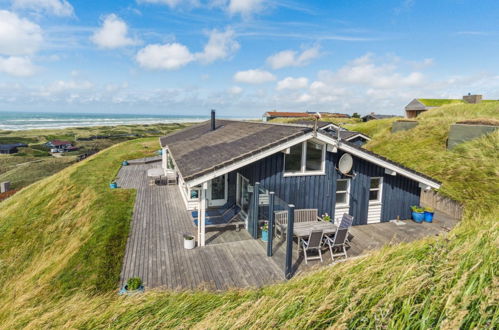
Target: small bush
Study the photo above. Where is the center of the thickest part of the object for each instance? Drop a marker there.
(134, 283)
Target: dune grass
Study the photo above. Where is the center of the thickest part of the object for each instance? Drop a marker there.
(55, 273)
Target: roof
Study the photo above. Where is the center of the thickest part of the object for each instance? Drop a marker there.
(374, 115)
(198, 150)
(386, 159)
(10, 146)
(287, 114)
(439, 102)
(344, 133)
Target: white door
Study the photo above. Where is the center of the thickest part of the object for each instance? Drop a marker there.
(342, 199)
(375, 194)
(217, 191)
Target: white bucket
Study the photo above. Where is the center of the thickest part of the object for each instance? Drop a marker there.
(189, 244)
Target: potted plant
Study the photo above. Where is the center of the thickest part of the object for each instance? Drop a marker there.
(265, 232)
(428, 214)
(417, 213)
(189, 242)
(133, 286)
(113, 185)
(124, 163)
(326, 217)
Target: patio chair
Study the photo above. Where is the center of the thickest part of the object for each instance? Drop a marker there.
(346, 222)
(314, 242)
(338, 241)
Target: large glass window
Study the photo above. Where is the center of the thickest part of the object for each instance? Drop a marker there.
(169, 162)
(314, 157)
(342, 192)
(305, 158)
(375, 190)
(293, 159)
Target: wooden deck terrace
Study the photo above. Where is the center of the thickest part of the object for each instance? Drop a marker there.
(155, 251)
(230, 259)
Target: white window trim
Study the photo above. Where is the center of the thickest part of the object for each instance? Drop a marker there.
(347, 204)
(303, 171)
(379, 189)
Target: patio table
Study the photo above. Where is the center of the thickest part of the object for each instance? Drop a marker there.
(303, 229)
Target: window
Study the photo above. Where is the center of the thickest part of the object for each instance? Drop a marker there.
(342, 192)
(375, 190)
(194, 194)
(169, 162)
(305, 158)
(293, 159)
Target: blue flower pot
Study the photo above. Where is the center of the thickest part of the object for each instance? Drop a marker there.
(160, 152)
(428, 216)
(265, 235)
(113, 185)
(418, 216)
(124, 163)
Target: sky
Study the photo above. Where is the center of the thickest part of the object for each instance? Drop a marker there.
(244, 57)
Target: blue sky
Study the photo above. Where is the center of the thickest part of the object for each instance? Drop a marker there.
(243, 57)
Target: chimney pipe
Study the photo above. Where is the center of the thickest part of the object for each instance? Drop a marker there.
(213, 125)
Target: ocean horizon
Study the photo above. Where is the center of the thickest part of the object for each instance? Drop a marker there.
(17, 121)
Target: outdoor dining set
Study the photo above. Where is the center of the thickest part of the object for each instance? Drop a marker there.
(315, 234)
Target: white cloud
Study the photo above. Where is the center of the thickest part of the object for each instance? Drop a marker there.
(235, 90)
(287, 58)
(164, 57)
(18, 36)
(112, 34)
(254, 76)
(245, 7)
(221, 45)
(54, 7)
(364, 71)
(17, 66)
(292, 83)
(61, 86)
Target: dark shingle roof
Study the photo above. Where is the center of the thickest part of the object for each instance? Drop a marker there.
(11, 146)
(198, 150)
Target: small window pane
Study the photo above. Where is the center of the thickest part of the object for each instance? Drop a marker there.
(194, 194)
(373, 195)
(314, 156)
(341, 198)
(293, 159)
(374, 183)
(341, 185)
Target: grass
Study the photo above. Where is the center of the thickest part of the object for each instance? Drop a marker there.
(59, 275)
(35, 162)
(439, 102)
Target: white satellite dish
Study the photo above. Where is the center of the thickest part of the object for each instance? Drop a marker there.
(345, 164)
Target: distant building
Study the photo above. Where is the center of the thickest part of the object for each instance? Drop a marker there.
(290, 115)
(374, 116)
(418, 106)
(11, 148)
(60, 146)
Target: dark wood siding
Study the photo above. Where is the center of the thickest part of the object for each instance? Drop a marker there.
(318, 191)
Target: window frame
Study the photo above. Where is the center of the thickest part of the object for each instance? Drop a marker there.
(303, 162)
(347, 192)
(379, 189)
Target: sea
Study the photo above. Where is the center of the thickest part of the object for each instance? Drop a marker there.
(39, 120)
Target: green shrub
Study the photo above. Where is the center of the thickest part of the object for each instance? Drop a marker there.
(134, 283)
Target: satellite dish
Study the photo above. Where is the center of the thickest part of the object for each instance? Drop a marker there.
(345, 164)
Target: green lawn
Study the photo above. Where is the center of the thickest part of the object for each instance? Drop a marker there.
(62, 240)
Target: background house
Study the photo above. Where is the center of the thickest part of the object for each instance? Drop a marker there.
(11, 148)
(418, 106)
(374, 116)
(290, 115)
(60, 146)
